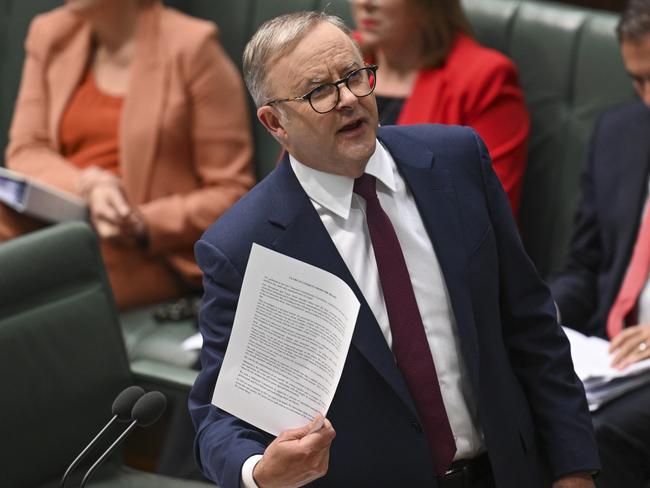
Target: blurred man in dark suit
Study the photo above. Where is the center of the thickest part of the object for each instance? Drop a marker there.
(604, 288)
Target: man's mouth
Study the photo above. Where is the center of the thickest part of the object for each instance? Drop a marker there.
(351, 126)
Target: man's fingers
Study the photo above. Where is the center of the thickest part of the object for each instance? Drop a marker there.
(624, 336)
(297, 456)
(300, 432)
(294, 434)
(316, 424)
(625, 354)
(321, 439)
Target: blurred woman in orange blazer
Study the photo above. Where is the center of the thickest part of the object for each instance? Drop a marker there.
(432, 71)
(136, 108)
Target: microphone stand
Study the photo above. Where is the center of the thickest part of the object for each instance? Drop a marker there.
(108, 452)
(83, 453)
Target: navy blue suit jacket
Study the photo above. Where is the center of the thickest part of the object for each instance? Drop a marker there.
(614, 190)
(531, 405)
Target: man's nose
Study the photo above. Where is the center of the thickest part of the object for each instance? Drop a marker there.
(346, 97)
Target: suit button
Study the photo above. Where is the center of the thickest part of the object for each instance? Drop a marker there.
(416, 427)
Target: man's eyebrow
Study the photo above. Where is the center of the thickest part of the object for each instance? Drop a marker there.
(352, 66)
(319, 80)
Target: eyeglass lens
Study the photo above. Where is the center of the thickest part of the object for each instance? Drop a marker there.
(325, 97)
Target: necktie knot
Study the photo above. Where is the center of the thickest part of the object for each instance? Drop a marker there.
(366, 186)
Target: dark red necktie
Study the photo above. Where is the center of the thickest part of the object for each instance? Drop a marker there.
(410, 344)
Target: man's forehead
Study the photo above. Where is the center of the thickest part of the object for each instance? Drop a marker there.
(324, 42)
(323, 51)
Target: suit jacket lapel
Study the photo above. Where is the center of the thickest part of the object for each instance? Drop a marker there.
(634, 170)
(294, 212)
(436, 200)
(143, 106)
(66, 73)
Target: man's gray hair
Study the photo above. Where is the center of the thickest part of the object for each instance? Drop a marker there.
(634, 24)
(273, 39)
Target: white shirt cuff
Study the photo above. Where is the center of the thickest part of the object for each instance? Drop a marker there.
(247, 480)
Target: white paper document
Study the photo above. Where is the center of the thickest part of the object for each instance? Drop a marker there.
(39, 200)
(591, 361)
(193, 342)
(290, 337)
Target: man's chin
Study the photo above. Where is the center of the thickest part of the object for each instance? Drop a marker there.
(361, 150)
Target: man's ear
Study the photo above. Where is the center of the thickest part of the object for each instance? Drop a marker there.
(270, 118)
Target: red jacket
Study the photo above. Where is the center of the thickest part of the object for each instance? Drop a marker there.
(477, 87)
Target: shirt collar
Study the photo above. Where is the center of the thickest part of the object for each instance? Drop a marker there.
(334, 192)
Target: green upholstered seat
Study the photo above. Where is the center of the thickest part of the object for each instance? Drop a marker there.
(570, 70)
(146, 338)
(18, 15)
(62, 357)
(5, 8)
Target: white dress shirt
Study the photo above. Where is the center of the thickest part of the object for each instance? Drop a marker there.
(343, 214)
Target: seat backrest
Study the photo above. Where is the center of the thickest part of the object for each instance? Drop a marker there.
(569, 66)
(571, 70)
(62, 357)
(18, 16)
(238, 20)
(5, 110)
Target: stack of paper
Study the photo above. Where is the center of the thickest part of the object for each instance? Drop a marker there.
(39, 200)
(591, 361)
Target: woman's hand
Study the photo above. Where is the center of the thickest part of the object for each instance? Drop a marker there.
(112, 216)
(108, 209)
(630, 346)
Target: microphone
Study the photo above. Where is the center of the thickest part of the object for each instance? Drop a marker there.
(145, 412)
(121, 410)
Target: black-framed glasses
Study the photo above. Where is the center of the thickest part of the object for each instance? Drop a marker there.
(324, 98)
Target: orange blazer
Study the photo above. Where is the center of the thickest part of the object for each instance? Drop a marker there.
(185, 140)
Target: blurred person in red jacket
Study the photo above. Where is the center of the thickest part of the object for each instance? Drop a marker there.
(433, 71)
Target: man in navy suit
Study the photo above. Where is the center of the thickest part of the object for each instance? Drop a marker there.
(607, 229)
(501, 405)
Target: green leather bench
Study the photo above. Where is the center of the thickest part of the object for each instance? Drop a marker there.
(570, 70)
(62, 361)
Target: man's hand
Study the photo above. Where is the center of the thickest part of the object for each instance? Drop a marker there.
(630, 346)
(579, 480)
(297, 456)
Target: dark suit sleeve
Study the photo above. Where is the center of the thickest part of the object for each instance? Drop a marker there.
(537, 348)
(223, 442)
(575, 288)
